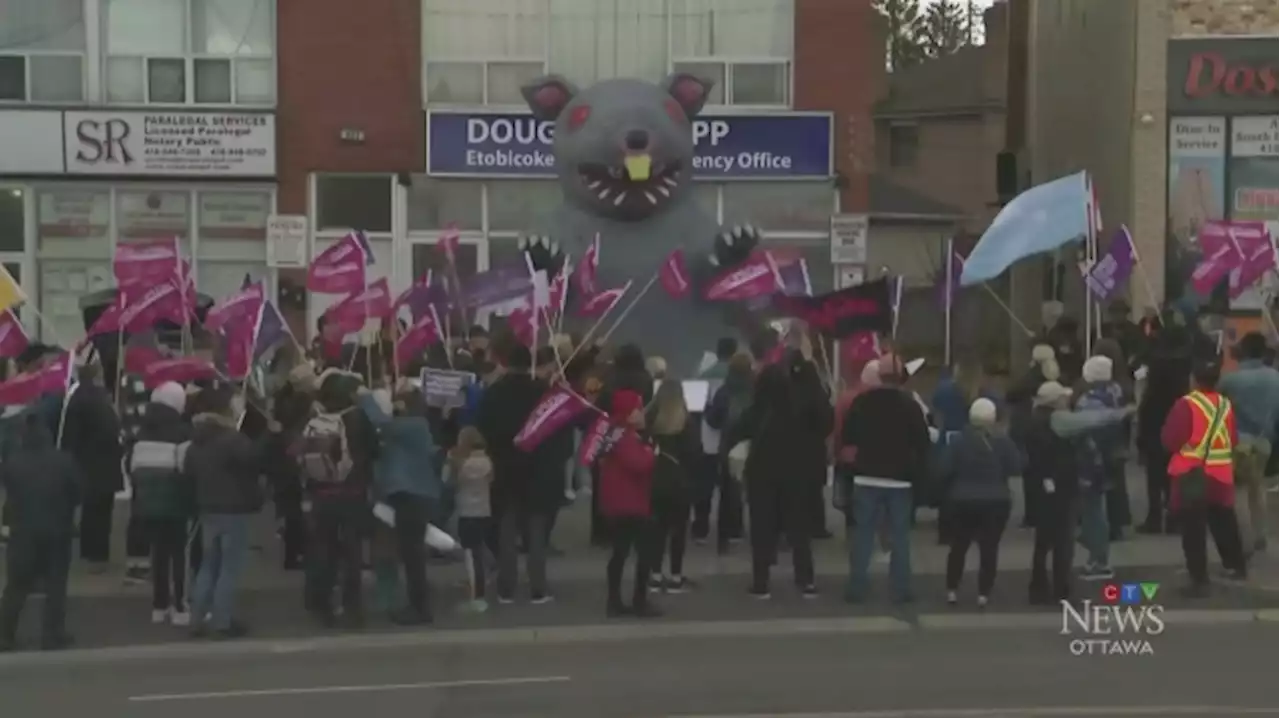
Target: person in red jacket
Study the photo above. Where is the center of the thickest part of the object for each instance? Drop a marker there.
(626, 479)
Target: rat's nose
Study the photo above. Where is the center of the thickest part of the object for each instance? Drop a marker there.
(637, 140)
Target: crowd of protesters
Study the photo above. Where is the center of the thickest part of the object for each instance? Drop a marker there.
(359, 467)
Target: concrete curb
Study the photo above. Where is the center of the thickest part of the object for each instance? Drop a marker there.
(595, 633)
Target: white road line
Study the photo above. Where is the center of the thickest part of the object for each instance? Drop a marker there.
(1034, 712)
(321, 690)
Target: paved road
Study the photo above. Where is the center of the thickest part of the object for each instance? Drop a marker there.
(1206, 671)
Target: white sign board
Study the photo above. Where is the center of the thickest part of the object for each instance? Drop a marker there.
(31, 142)
(287, 241)
(849, 238)
(1254, 137)
(189, 144)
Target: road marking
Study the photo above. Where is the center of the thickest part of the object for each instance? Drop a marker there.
(1035, 712)
(321, 690)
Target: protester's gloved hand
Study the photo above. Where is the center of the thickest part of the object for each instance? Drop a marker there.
(544, 254)
(734, 244)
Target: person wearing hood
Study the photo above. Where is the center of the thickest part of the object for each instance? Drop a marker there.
(404, 476)
(44, 486)
(336, 453)
(626, 488)
(1100, 464)
(164, 497)
(727, 405)
(503, 411)
(225, 466)
(975, 471)
(673, 476)
(887, 439)
(1252, 390)
(787, 426)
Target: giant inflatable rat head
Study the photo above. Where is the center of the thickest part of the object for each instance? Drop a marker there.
(623, 147)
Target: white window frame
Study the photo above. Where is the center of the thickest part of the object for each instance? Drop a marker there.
(729, 63)
(27, 55)
(189, 59)
(484, 77)
(32, 269)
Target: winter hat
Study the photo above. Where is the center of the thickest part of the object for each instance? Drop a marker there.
(1051, 392)
(1041, 353)
(983, 412)
(382, 397)
(172, 395)
(625, 403)
(1051, 370)
(1097, 368)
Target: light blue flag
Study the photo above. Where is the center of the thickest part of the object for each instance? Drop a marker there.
(1041, 219)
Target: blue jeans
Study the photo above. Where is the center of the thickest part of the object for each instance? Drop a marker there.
(226, 544)
(1095, 532)
(870, 505)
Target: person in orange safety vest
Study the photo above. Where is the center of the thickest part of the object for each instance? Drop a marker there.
(1201, 430)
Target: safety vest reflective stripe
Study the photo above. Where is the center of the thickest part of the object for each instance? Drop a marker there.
(1219, 445)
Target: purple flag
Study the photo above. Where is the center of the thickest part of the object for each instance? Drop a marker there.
(272, 330)
(496, 286)
(1259, 258)
(948, 280)
(1113, 268)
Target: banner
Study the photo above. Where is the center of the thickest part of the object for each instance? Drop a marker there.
(861, 308)
(51, 378)
(557, 408)
(240, 306)
(445, 388)
(13, 338)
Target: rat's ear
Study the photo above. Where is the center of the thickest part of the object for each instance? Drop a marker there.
(548, 96)
(689, 91)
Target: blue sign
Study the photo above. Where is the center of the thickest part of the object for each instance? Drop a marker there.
(513, 144)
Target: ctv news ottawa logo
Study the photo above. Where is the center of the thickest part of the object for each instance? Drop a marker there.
(1120, 624)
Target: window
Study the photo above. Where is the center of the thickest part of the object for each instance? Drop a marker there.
(42, 46)
(745, 46)
(428, 257)
(591, 40)
(482, 51)
(904, 145)
(435, 203)
(780, 206)
(519, 205)
(349, 202)
(203, 52)
(707, 195)
(13, 225)
(143, 215)
(74, 250)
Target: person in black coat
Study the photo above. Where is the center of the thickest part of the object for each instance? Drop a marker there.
(1051, 462)
(551, 458)
(292, 407)
(92, 436)
(1169, 365)
(674, 474)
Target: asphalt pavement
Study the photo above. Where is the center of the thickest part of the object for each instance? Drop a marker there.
(1207, 671)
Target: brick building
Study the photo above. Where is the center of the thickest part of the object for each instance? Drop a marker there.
(326, 110)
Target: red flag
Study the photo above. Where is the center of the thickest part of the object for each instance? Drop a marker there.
(674, 276)
(585, 273)
(137, 357)
(600, 438)
(449, 241)
(372, 302)
(160, 302)
(144, 263)
(241, 306)
(182, 370)
(13, 338)
(425, 331)
(1258, 260)
(604, 302)
(52, 377)
(239, 338)
(754, 278)
(520, 322)
(340, 269)
(557, 408)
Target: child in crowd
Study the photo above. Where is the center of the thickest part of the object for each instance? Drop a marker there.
(470, 472)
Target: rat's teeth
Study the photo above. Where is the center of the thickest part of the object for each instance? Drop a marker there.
(651, 198)
(618, 200)
(670, 182)
(604, 194)
(665, 192)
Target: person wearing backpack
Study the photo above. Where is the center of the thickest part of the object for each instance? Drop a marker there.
(163, 497)
(336, 452)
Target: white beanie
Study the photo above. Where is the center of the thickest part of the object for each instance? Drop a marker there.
(172, 395)
(1041, 353)
(982, 411)
(1097, 368)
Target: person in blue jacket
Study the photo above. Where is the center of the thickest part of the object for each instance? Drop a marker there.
(406, 479)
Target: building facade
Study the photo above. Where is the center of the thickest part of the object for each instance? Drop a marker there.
(220, 121)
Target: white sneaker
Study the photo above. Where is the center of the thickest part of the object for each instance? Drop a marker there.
(952, 598)
(159, 616)
(181, 619)
(982, 601)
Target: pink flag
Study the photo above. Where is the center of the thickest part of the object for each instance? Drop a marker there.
(13, 338)
(52, 377)
(425, 331)
(674, 276)
(109, 320)
(419, 285)
(372, 302)
(142, 263)
(137, 357)
(340, 269)
(449, 241)
(1259, 258)
(182, 370)
(754, 278)
(1216, 264)
(604, 302)
(585, 276)
(559, 293)
(239, 307)
(160, 302)
(239, 338)
(520, 322)
(554, 411)
(600, 438)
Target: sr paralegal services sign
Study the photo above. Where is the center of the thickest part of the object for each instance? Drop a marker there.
(188, 144)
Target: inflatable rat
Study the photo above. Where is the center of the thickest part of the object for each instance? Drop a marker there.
(624, 157)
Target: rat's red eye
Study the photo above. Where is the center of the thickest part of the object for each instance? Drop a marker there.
(578, 116)
(675, 111)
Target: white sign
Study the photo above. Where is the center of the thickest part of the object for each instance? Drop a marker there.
(1254, 137)
(849, 238)
(287, 241)
(30, 142)
(74, 213)
(191, 144)
(1198, 137)
(234, 215)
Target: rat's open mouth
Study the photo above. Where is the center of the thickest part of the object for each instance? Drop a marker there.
(612, 184)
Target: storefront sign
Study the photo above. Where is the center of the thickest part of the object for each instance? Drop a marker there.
(758, 146)
(234, 215)
(287, 241)
(188, 144)
(849, 238)
(1221, 74)
(74, 213)
(1254, 137)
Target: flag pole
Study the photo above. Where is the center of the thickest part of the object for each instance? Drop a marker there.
(643, 291)
(897, 305)
(586, 338)
(1142, 274)
(949, 268)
